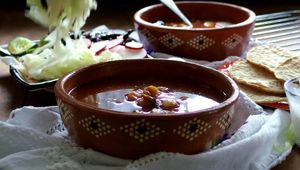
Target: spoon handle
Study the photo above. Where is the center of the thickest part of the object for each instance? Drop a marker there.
(3, 52)
(172, 6)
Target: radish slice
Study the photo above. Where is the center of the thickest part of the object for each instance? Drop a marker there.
(98, 47)
(127, 53)
(113, 43)
(88, 42)
(134, 45)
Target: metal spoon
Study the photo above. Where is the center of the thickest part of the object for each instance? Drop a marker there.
(172, 6)
(3, 52)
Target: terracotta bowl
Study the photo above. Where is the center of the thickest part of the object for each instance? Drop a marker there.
(133, 135)
(210, 44)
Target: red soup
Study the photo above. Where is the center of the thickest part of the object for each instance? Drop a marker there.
(151, 95)
(200, 24)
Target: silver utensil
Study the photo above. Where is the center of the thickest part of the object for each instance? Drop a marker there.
(172, 6)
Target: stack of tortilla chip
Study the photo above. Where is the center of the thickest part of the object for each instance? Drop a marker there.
(262, 73)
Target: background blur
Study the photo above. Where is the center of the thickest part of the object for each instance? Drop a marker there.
(14, 3)
(113, 13)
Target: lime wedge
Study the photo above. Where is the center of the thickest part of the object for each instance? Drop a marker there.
(20, 45)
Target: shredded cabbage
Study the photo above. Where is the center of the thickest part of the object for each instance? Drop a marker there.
(70, 14)
(61, 54)
(56, 62)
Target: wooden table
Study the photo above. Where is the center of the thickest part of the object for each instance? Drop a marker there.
(13, 95)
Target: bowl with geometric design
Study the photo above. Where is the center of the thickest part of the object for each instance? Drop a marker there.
(219, 29)
(133, 108)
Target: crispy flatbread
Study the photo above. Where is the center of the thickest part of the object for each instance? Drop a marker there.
(289, 69)
(257, 77)
(262, 97)
(269, 56)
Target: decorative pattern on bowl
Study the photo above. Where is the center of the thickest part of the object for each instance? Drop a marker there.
(143, 130)
(192, 129)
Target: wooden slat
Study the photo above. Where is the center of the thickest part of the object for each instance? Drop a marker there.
(281, 29)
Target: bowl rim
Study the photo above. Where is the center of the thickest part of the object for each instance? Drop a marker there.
(251, 19)
(63, 95)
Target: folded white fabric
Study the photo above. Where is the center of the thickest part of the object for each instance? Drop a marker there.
(33, 138)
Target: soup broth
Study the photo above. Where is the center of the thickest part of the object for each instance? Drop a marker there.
(136, 95)
(197, 24)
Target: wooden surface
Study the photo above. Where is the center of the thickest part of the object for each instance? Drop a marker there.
(13, 23)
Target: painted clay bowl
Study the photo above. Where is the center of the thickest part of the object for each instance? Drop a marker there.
(133, 135)
(210, 44)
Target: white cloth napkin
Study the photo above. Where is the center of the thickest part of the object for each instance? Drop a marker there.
(33, 138)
